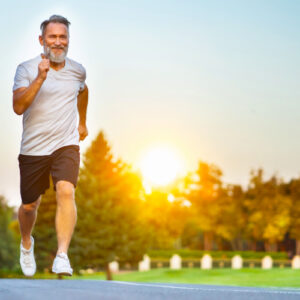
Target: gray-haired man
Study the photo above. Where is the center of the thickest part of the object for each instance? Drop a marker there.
(48, 91)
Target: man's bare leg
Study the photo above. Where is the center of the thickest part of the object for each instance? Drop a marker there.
(66, 214)
(27, 216)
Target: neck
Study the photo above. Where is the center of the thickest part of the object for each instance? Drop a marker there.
(57, 66)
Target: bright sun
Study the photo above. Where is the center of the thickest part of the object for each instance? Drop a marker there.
(160, 165)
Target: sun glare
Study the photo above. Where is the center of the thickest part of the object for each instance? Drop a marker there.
(160, 166)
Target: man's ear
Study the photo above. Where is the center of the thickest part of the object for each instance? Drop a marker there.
(41, 40)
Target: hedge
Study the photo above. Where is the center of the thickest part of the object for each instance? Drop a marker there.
(185, 253)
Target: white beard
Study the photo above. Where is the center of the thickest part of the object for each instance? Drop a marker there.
(53, 57)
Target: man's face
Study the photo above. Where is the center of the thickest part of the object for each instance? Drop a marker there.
(55, 42)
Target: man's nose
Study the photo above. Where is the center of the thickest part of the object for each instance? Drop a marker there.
(57, 41)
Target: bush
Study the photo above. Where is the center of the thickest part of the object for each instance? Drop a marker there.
(185, 253)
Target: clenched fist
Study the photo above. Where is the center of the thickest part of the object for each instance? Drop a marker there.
(44, 66)
(83, 131)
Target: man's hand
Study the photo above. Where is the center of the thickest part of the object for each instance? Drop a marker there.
(83, 131)
(24, 96)
(44, 67)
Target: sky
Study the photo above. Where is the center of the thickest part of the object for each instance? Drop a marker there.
(217, 81)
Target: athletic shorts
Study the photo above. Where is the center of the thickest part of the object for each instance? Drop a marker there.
(35, 170)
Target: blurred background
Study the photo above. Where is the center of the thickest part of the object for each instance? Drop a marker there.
(193, 130)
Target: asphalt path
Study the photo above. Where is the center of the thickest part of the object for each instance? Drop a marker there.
(12, 289)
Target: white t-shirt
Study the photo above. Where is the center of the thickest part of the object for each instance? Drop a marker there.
(51, 121)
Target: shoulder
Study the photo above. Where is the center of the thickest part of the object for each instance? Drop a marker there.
(25, 73)
(76, 65)
(28, 64)
(31, 61)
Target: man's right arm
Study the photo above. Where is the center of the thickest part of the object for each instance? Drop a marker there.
(24, 96)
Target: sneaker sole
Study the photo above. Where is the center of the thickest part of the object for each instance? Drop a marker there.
(28, 275)
(65, 273)
(24, 272)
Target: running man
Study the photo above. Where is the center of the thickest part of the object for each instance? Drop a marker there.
(48, 91)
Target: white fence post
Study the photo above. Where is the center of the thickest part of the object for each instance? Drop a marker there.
(237, 262)
(114, 266)
(144, 265)
(175, 262)
(206, 262)
(296, 262)
(267, 262)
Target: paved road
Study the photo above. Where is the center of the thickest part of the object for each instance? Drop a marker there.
(28, 289)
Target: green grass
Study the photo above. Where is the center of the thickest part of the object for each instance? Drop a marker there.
(244, 277)
(285, 277)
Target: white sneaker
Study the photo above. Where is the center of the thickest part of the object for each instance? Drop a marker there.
(61, 265)
(27, 260)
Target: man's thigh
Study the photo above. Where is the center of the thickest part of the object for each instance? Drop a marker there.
(34, 176)
(65, 165)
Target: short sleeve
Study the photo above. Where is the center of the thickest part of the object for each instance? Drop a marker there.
(21, 78)
(83, 78)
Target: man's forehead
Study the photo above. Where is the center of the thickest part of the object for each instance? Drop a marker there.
(56, 28)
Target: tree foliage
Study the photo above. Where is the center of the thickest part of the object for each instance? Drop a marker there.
(109, 206)
(8, 245)
(268, 209)
(206, 193)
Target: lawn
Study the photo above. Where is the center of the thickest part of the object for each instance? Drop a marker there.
(245, 277)
(256, 277)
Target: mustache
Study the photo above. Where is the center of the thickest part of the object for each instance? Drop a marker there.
(55, 57)
(55, 47)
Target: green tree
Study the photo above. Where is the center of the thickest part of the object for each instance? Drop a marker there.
(8, 244)
(192, 236)
(109, 204)
(232, 216)
(294, 193)
(269, 210)
(164, 231)
(205, 192)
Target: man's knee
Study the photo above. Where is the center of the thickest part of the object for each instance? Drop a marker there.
(64, 189)
(31, 207)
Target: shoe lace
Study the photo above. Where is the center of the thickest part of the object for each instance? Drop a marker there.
(27, 259)
(63, 256)
(65, 260)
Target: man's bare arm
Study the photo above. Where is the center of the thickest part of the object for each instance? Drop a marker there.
(82, 102)
(24, 96)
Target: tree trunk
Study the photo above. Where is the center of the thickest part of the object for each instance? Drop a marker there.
(267, 246)
(108, 272)
(253, 245)
(207, 241)
(297, 247)
(233, 244)
(270, 247)
(274, 247)
(237, 244)
(240, 244)
(177, 243)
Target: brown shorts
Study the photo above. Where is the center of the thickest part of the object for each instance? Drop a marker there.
(35, 170)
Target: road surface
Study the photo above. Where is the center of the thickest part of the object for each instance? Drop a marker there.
(33, 289)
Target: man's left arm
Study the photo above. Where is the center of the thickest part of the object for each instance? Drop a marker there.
(82, 102)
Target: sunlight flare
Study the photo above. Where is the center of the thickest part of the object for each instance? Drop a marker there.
(160, 165)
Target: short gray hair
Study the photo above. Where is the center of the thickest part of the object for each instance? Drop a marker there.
(54, 19)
